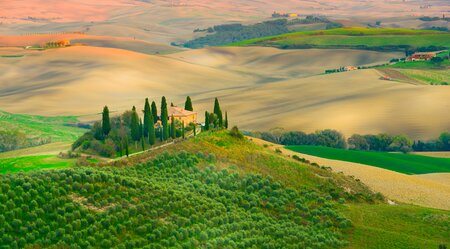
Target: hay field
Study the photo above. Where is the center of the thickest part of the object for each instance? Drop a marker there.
(81, 80)
(428, 192)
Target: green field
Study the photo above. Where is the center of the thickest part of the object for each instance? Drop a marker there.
(432, 76)
(354, 38)
(54, 128)
(31, 163)
(402, 226)
(403, 163)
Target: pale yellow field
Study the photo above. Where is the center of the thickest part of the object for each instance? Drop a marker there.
(430, 190)
(261, 88)
(444, 154)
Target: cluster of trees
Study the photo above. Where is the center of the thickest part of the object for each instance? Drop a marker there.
(433, 18)
(329, 138)
(15, 139)
(215, 120)
(229, 33)
(165, 203)
(335, 139)
(113, 136)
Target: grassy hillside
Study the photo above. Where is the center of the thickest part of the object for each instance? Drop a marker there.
(433, 77)
(177, 199)
(29, 163)
(403, 163)
(363, 38)
(399, 226)
(54, 128)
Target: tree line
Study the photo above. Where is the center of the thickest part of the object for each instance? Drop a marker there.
(369, 142)
(115, 136)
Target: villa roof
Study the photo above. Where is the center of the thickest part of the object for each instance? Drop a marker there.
(179, 112)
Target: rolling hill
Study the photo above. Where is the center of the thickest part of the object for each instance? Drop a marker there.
(63, 82)
(357, 38)
(211, 190)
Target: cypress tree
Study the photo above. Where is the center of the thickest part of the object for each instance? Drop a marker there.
(188, 104)
(164, 118)
(173, 133)
(134, 126)
(226, 120)
(147, 118)
(141, 128)
(218, 112)
(154, 112)
(106, 122)
(143, 143)
(206, 121)
(195, 130)
(182, 130)
(126, 146)
(151, 132)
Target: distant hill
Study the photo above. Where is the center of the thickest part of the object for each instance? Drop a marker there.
(380, 39)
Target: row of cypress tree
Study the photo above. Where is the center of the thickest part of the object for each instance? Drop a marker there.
(144, 130)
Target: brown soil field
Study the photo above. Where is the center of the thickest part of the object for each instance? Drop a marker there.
(429, 190)
(397, 76)
(261, 88)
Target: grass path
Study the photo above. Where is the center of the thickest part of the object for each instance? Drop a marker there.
(395, 186)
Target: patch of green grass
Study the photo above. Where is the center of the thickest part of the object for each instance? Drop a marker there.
(54, 128)
(434, 77)
(403, 163)
(12, 56)
(354, 37)
(398, 226)
(30, 163)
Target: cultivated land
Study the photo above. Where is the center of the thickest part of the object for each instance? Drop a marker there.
(236, 162)
(364, 38)
(403, 163)
(415, 189)
(56, 129)
(63, 82)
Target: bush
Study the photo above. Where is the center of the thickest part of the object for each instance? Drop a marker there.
(234, 132)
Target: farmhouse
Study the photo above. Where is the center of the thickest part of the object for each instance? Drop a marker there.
(182, 115)
(422, 56)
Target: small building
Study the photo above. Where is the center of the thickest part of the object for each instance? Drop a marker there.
(292, 15)
(421, 56)
(350, 68)
(182, 115)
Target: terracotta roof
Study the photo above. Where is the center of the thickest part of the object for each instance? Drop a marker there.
(178, 112)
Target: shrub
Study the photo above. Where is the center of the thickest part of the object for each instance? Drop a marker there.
(234, 132)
